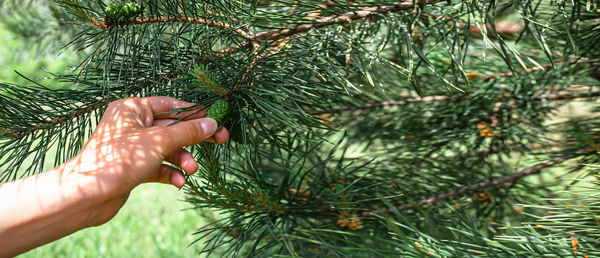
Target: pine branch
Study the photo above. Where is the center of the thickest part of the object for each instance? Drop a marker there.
(86, 110)
(328, 21)
(511, 179)
(59, 120)
(338, 19)
(275, 33)
(183, 19)
(390, 103)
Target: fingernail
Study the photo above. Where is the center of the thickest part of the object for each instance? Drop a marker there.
(209, 126)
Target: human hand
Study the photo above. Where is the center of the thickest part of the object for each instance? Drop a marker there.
(126, 149)
(131, 142)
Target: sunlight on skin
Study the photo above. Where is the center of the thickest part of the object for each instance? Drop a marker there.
(127, 149)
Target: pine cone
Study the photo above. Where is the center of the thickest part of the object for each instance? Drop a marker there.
(125, 10)
(116, 11)
(218, 110)
(130, 10)
(112, 12)
(135, 9)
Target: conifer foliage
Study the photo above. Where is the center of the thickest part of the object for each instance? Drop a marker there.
(359, 128)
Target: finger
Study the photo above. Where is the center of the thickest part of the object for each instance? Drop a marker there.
(184, 160)
(221, 136)
(168, 175)
(161, 107)
(187, 133)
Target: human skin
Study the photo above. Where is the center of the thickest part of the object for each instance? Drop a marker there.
(127, 149)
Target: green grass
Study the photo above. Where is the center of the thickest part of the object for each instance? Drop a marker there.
(151, 224)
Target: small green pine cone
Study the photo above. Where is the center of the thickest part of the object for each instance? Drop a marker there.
(136, 8)
(112, 12)
(133, 9)
(218, 110)
(122, 11)
(125, 11)
(108, 9)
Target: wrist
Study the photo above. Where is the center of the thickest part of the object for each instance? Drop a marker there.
(77, 190)
(89, 177)
(95, 189)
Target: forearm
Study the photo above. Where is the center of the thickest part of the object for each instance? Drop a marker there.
(42, 208)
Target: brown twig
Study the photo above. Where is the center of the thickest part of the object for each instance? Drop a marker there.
(243, 25)
(184, 19)
(511, 179)
(327, 21)
(338, 19)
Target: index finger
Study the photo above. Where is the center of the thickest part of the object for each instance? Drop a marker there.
(165, 108)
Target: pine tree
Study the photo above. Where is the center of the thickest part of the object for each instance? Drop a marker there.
(359, 128)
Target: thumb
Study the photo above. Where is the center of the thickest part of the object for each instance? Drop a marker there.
(190, 132)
